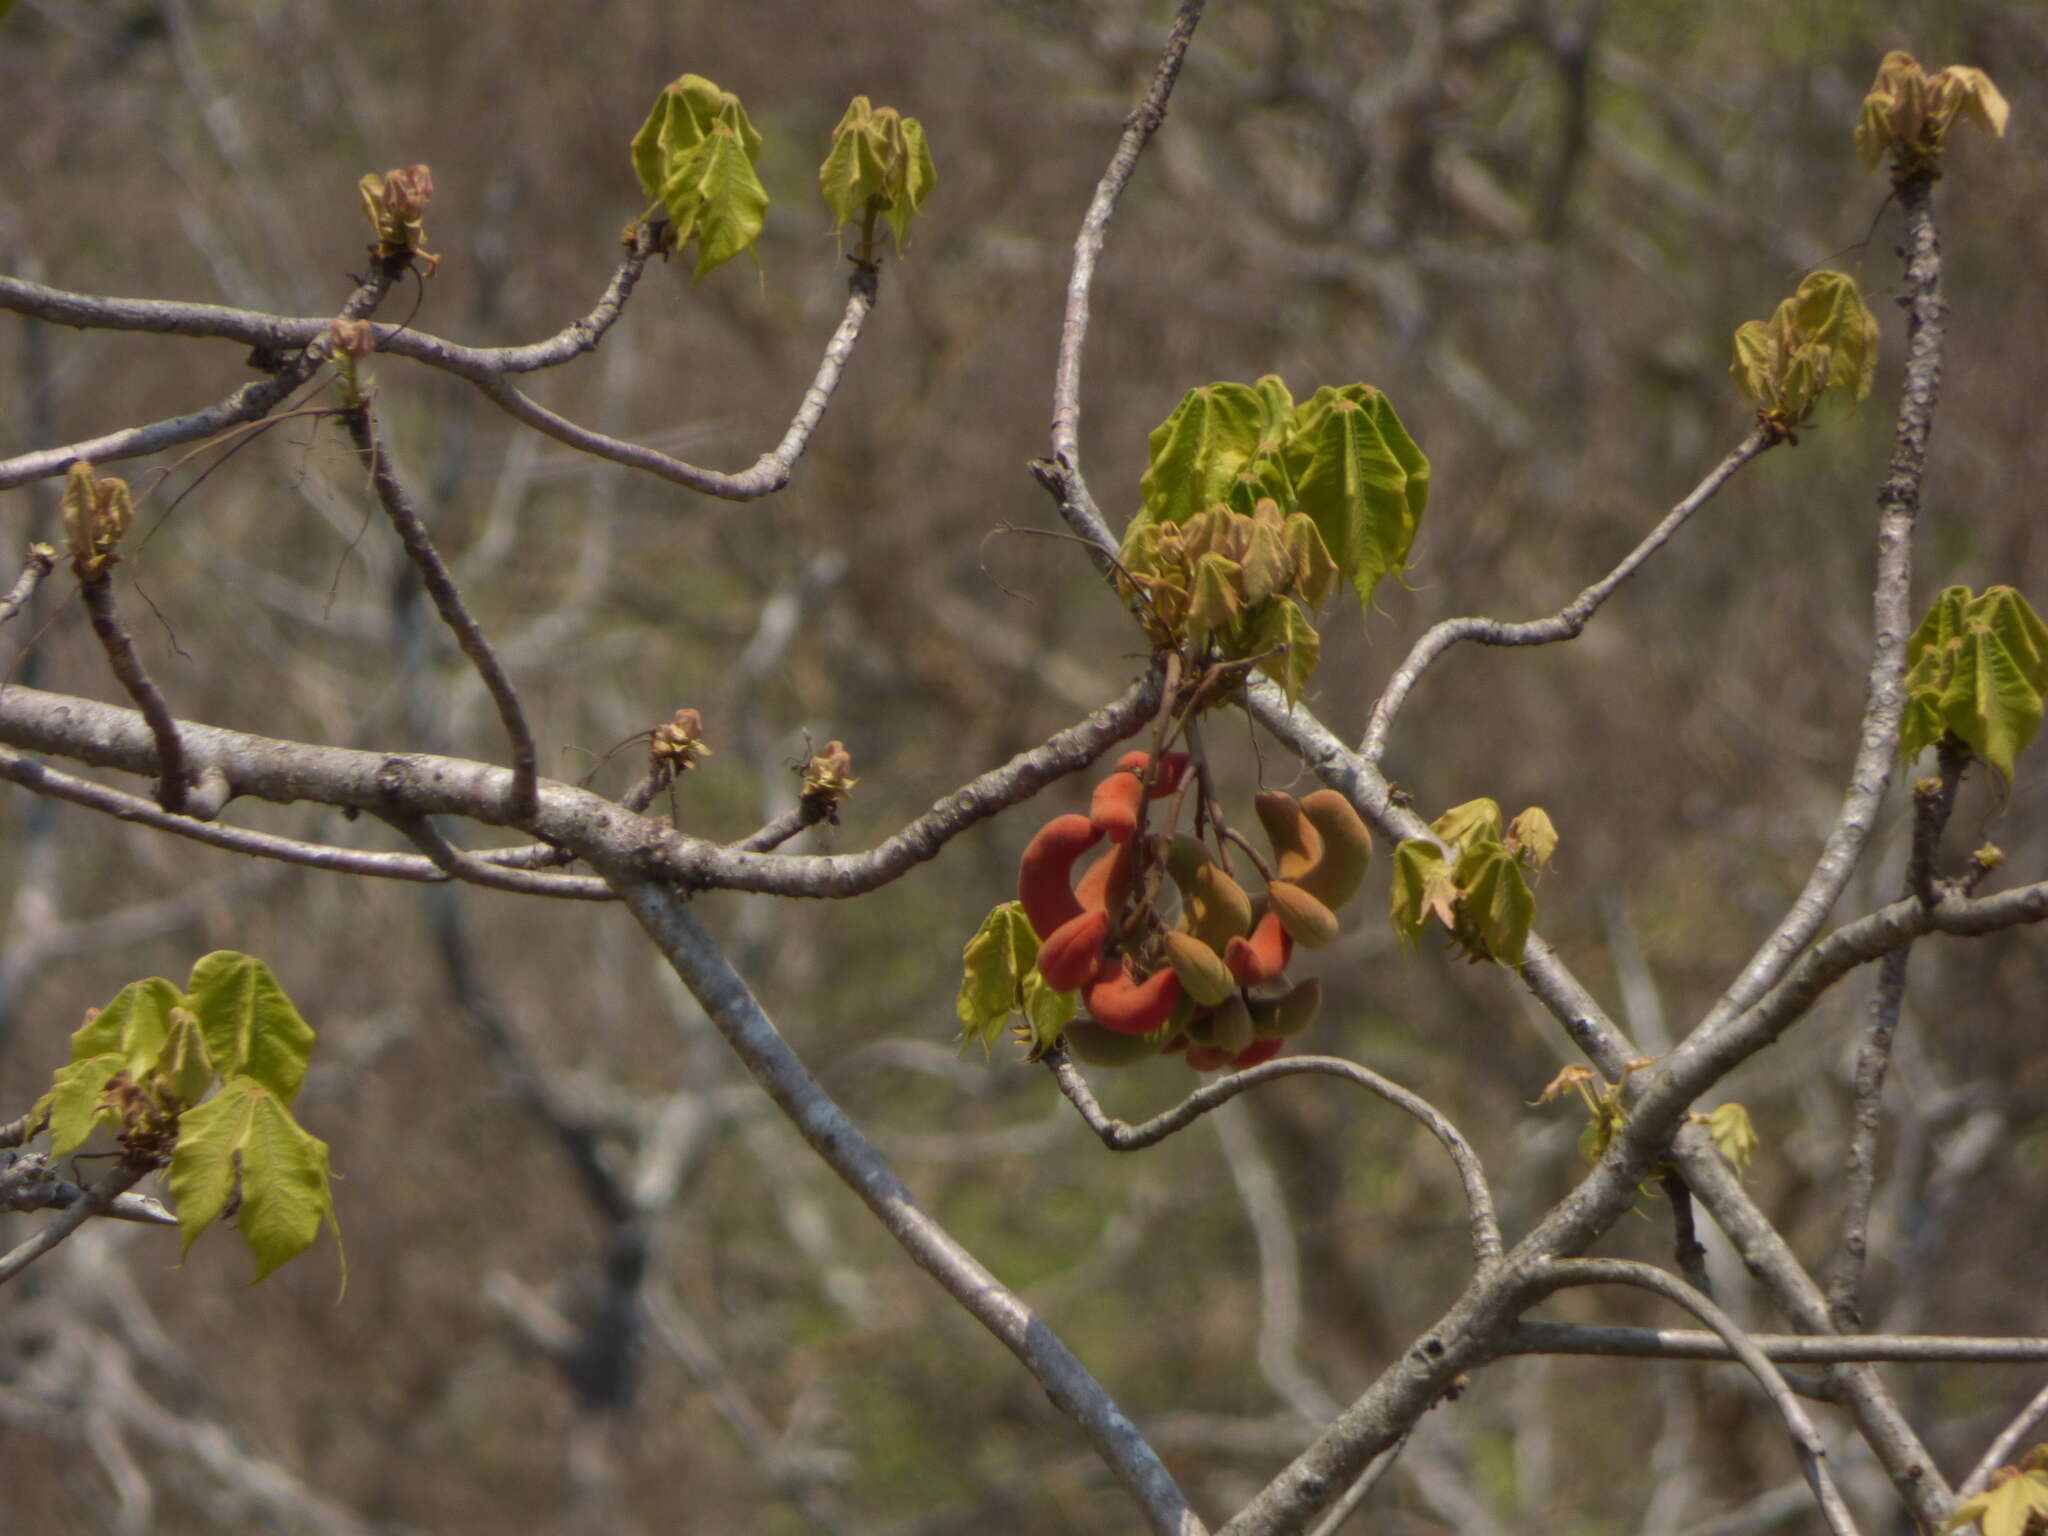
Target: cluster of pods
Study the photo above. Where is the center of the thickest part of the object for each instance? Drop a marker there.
(1211, 982)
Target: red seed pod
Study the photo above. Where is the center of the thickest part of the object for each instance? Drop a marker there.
(1206, 1058)
(1045, 875)
(1070, 958)
(1133, 1007)
(1173, 767)
(1264, 956)
(1106, 883)
(1115, 807)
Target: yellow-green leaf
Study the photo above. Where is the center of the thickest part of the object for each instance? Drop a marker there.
(1976, 666)
(1729, 1128)
(251, 1027)
(2007, 1508)
(245, 1133)
(1197, 451)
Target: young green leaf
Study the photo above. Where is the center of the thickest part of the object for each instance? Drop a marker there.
(1282, 627)
(879, 163)
(1360, 478)
(695, 156)
(1729, 1128)
(1000, 977)
(1496, 903)
(1822, 338)
(77, 1100)
(245, 1133)
(2016, 1503)
(1977, 667)
(1422, 889)
(1197, 451)
(250, 1025)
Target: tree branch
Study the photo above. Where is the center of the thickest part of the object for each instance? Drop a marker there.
(522, 795)
(1806, 1441)
(1120, 1136)
(1062, 475)
(249, 403)
(760, 1046)
(1566, 624)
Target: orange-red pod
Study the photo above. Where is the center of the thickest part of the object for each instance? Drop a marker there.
(1045, 876)
(1115, 807)
(1263, 956)
(1173, 767)
(1105, 883)
(1070, 958)
(1133, 1007)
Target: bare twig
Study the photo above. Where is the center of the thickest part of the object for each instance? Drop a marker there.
(1529, 1338)
(1805, 1438)
(41, 561)
(97, 588)
(1686, 1247)
(249, 403)
(58, 785)
(522, 796)
(1121, 1137)
(121, 1178)
(1898, 509)
(2000, 1451)
(1566, 624)
(1062, 476)
(669, 922)
(769, 474)
(1932, 804)
(422, 784)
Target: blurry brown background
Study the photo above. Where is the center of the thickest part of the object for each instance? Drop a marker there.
(1534, 225)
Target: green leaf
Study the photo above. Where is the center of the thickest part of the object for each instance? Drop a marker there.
(1197, 451)
(1497, 903)
(251, 1028)
(879, 163)
(134, 1026)
(1048, 1012)
(695, 156)
(1976, 666)
(2007, 1508)
(1729, 1128)
(715, 196)
(1422, 888)
(1820, 339)
(183, 1072)
(1000, 977)
(1360, 478)
(1474, 821)
(1218, 594)
(76, 1102)
(245, 1132)
(1281, 623)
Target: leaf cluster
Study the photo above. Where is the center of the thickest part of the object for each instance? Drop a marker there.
(695, 157)
(97, 516)
(1339, 466)
(1908, 112)
(396, 204)
(1000, 978)
(144, 1065)
(2015, 1504)
(1820, 339)
(1976, 668)
(879, 165)
(1480, 890)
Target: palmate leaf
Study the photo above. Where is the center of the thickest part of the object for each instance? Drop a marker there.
(2007, 1508)
(251, 1027)
(1978, 667)
(1197, 452)
(1285, 629)
(245, 1134)
(1360, 478)
(999, 977)
(695, 156)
